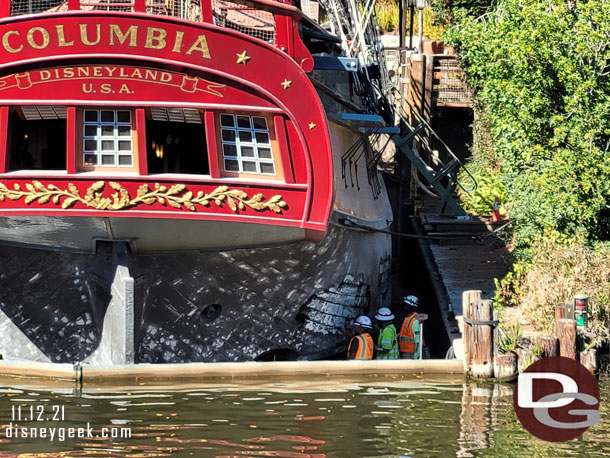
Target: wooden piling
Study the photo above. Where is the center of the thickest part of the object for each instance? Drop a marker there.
(475, 419)
(566, 333)
(564, 310)
(560, 312)
(416, 96)
(588, 358)
(468, 297)
(549, 346)
(525, 358)
(427, 111)
(524, 353)
(482, 341)
(505, 365)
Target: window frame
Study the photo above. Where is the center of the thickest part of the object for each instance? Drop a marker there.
(276, 157)
(205, 131)
(7, 137)
(80, 140)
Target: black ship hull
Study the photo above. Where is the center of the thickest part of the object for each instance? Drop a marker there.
(293, 301)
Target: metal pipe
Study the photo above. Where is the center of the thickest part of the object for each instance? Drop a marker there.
(420, 25)
(411, 18)
(421, 335)
(401, 24)
(421, 317)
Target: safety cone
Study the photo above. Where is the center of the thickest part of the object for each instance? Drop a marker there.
(495, 214)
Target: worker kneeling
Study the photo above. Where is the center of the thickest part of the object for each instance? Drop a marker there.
(409, 338)
(361, 345)
(387, 344)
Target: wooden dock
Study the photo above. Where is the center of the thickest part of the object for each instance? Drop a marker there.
(470, 258)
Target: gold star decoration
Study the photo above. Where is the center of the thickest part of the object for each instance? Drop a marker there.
(312, 126)
(286, 83)
(243, 58)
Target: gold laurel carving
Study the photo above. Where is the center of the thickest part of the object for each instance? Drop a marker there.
(176, 196)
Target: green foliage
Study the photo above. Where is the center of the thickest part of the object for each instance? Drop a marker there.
(433, 28)
(542, 77)
(536, 347)
(508, 289)
(556, 273)
(530, 359)
(482, 200)
(508, 337)
(388, 17)
(540, 72)
(445, 10)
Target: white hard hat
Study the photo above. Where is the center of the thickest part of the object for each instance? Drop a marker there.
(363, 321)
(384, 314)
(411, 301)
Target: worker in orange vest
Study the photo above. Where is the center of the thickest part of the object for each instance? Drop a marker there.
(361, 345)
(409, 338)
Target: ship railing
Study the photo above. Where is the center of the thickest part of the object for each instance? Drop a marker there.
(183, 9)
(22, 7)
(245, 19)
(257, 18)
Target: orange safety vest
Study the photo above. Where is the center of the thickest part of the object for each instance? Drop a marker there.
(365, 346)
(406, 338)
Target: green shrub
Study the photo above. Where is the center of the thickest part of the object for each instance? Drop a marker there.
(556, 273)
(481, 201)
(541, 76)
(388, 16)
(541, 80)
(508, 337)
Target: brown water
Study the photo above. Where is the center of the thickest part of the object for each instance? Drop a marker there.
(315, 419)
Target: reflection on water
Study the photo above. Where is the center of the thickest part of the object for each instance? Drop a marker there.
(327, 418)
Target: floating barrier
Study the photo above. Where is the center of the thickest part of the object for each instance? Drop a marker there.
(143, 373)
(38, 370)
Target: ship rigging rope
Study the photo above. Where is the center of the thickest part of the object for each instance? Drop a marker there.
(348, 223)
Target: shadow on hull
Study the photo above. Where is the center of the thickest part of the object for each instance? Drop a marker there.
(290, 302)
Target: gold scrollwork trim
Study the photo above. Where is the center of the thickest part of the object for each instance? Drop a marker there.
(176, 196)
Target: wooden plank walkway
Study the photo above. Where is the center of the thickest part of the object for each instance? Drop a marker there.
(472, 260)
(472, 265)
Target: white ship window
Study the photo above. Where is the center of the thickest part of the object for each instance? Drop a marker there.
(246, 144)
(107, 138)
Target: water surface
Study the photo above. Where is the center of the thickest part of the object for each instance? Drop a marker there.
(294, 419)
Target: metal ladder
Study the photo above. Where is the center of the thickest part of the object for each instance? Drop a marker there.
(444, 176)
